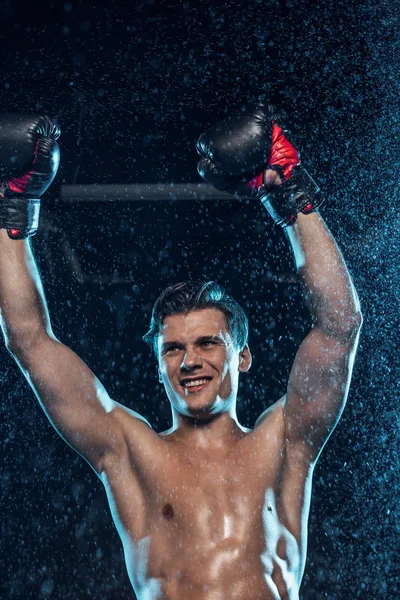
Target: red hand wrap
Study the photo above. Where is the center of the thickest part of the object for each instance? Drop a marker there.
(19, 184)
(255, 183)
(282, 154)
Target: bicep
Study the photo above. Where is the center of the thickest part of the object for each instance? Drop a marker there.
(317, 390)
(74, 400)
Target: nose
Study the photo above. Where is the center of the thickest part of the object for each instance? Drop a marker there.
(191, 360)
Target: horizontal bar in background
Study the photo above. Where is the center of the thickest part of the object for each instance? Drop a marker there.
(142, 191)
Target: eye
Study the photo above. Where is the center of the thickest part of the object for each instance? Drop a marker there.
(208, 343)
(171, 349)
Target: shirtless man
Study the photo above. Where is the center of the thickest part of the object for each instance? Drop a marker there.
(208, 510)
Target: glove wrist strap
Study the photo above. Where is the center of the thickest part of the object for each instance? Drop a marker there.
(299, 193)
(20, 216)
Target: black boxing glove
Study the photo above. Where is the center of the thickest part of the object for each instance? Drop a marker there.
(29, 159)
(238, 150)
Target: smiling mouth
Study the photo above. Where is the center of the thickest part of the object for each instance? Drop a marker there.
(195, 385)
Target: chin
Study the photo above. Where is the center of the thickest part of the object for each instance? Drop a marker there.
(199, 406)
(194, 407)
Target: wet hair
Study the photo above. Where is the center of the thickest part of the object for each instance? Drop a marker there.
(194, 295)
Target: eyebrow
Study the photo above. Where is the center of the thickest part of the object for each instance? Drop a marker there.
(203, 338)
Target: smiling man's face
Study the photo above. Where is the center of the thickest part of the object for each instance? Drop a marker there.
(199, 363)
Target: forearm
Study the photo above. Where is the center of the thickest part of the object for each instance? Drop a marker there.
(23, 310)
(328, 289)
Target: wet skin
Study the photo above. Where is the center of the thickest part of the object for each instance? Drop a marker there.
(208, 510)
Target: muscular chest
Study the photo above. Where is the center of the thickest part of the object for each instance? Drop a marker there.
(208, 499)
(204, 497)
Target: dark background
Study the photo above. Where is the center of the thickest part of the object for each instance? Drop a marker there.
(133, 85)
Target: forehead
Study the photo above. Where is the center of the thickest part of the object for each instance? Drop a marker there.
(206, 321)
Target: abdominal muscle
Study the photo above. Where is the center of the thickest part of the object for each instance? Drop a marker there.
(161, 568)
(217, 574)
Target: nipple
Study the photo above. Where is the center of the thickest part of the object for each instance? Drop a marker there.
(168, 512)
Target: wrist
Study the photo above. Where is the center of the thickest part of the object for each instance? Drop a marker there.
(298, 194)
(19, 215)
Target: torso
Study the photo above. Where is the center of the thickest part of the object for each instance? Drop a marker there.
(216, 527)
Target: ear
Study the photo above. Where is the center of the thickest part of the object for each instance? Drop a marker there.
(245, 359)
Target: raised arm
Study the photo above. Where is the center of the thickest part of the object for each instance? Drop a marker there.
(320, 376)
(73, 399)
(250, 153)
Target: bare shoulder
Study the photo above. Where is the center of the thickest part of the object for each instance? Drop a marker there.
(133, 424)
(127, 416)
(272, 423)
(272, 417)
(267, 438)
(135, 431)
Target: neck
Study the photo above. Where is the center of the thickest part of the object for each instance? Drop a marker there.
(211, 433)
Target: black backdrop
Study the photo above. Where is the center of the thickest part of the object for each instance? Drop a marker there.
(133, 85)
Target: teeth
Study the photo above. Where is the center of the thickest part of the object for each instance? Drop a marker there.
(196, 382)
